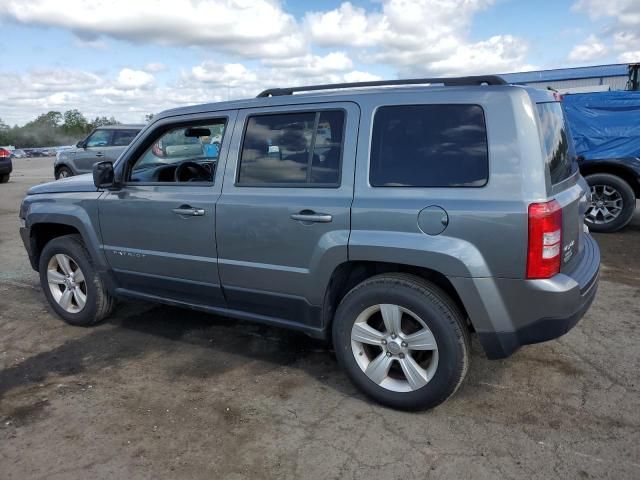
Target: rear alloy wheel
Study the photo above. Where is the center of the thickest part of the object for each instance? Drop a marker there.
(402, 341)
(612, 203)
(400, 354)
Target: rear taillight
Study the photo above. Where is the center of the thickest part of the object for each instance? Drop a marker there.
(4, 153)
(545, 239)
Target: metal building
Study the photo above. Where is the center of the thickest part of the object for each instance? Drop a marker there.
(579, 79)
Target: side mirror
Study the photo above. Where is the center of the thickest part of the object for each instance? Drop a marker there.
(103, 175)
(80, 144)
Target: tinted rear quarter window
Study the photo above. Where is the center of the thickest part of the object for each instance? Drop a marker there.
(429, 146)
(556, 144)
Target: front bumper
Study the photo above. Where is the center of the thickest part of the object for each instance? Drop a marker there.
(510, 313)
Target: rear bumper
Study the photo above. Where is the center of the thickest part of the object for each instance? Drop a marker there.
(510, 313)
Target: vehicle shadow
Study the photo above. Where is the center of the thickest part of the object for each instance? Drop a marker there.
(220, 345)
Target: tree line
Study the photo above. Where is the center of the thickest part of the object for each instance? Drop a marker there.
(52, 129)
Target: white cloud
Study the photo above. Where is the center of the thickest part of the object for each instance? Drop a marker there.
(231, 74)
(632, 56)
(417, 37)
(155, 67)
(312, 65)
(131, 93)
(128, 78)
(625, 12)
(591, 49)
(358, 76)
(624, 25)
(257, 28)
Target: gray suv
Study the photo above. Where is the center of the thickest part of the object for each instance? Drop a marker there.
(102, 144)
(393, 221)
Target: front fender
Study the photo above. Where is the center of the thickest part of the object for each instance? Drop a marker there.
(77, 210)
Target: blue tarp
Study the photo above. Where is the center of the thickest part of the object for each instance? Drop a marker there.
(605, 124)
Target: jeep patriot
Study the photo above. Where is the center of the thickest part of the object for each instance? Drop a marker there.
(394, 219)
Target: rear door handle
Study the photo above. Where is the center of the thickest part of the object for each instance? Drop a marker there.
(189, 211)
(312, 217)
(99, 154)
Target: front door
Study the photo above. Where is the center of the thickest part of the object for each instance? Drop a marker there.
(284, 214)
(159, 229)
(94, 150)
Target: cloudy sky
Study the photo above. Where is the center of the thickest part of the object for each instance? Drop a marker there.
(127, 58)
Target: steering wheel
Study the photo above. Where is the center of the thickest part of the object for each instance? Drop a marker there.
(197, 172)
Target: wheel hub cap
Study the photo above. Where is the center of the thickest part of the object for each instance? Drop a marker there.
(394, 348)
(67, 283)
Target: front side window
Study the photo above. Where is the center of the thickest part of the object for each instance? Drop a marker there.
(99, 138)
(183, 154)
(429, 146)
(292, 149)
(122, 138)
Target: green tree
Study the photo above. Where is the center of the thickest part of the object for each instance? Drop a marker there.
(74, 123)
(103, 121)
(50, 119)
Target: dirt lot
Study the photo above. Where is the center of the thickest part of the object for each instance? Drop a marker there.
(158, 392)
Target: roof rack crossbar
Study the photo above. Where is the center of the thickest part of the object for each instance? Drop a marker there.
(447, 81)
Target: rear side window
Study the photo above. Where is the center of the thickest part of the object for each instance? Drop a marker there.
(429, 146)
(292, 149)
(556, 145)
(122, 138)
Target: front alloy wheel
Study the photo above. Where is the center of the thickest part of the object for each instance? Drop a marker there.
(67, 283)
(394, 348)
(71, 284)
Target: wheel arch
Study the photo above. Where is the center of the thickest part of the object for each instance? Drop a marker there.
(349, 274)
(45, 227)
(619, 170)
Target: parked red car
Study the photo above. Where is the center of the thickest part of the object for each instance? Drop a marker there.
(5, 165)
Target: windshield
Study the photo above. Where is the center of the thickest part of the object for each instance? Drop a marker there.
(556, 143)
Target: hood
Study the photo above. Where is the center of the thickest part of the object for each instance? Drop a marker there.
(79, 183)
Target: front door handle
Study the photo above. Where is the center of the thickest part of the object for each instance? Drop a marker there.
(99, 154)
(311, 217)
(189, 211)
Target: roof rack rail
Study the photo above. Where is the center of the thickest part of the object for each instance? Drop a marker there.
(447, 81)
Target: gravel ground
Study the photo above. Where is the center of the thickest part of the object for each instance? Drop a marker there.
(158, 392)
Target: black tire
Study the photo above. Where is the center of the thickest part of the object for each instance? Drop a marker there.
(435, 308)
(99, 303)
(63, 172)
(628, 202)
(4, 178)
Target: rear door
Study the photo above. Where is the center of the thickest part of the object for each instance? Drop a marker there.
(119, 141)
(284, 214)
